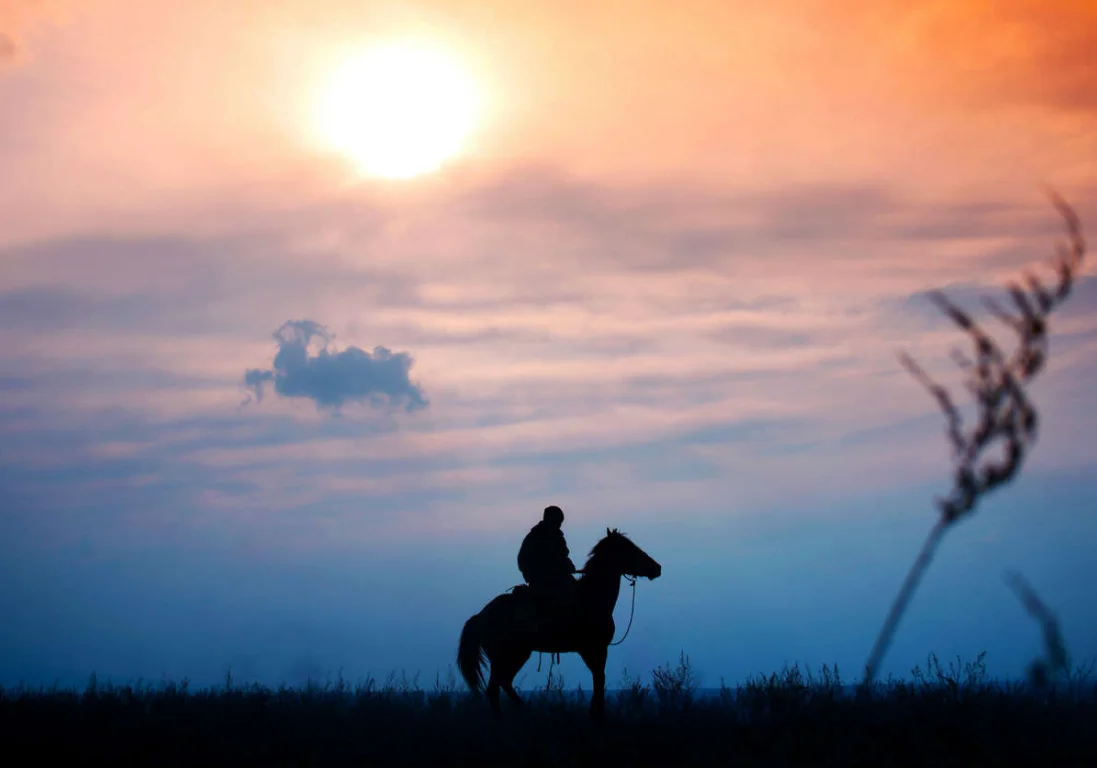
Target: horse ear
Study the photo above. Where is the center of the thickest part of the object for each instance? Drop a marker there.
(608, 531)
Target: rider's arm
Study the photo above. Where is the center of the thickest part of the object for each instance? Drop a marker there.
(565, 553)
(562, 543)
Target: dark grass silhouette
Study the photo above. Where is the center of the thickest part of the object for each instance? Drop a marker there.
(500, 635)
(941, 715)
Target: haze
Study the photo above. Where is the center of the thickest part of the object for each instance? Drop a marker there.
(260, 412)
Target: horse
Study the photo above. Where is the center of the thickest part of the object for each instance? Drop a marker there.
(498, 635)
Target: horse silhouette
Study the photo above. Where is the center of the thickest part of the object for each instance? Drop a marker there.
(498, 634)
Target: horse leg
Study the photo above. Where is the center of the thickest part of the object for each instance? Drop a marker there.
(492, 692)
(595, 659)
(506, 679)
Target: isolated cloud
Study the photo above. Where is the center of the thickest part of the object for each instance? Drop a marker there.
(332, 378)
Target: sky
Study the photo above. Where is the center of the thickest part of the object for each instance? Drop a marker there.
(262, 413)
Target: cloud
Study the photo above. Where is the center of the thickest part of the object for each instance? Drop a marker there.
(9, 50)
(617, 346)
(1019, 52)
(332, 378)
(19, 16)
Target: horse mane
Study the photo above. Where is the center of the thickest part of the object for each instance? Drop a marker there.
(603, 545)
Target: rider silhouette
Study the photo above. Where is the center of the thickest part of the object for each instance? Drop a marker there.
(546, 563)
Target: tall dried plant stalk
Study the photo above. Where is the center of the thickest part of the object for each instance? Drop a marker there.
(1055, 662)
(1006, 416)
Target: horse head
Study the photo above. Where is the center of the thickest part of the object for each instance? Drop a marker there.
(616, 552)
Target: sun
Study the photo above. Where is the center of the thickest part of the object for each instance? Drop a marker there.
(398, 110)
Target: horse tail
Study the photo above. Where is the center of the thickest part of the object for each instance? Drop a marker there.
(470, 653)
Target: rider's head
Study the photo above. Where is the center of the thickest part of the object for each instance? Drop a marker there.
(554, 516)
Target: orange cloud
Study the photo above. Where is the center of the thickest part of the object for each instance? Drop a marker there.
(17, 17)
(1017, 53)
(943, 96)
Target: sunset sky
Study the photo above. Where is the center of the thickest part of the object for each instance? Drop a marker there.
(263, 410)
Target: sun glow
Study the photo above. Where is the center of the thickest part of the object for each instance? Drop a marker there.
(399, 110)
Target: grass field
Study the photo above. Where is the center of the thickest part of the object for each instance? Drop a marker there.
(941, 715)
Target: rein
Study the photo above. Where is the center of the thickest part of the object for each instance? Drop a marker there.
(632, 610)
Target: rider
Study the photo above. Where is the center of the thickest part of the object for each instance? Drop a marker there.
(545, 562)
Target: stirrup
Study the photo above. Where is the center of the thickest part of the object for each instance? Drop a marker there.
(554, 660)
